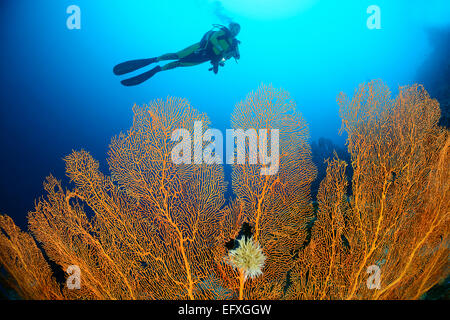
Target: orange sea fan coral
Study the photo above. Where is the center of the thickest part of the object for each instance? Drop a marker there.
(397, 218)
(182, 202)
(28, 272)
(103, 246)
(153, 225)
(157, 230)
(277, 206)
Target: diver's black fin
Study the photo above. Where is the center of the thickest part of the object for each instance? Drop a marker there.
(141, 78)
(132, 65)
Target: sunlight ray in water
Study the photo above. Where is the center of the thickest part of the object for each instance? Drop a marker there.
(268, 9)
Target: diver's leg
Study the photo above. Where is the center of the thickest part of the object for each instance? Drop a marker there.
(141, 78)
(187, 51)
(180, 54)
(147, 75)
(132, 65)
(167, 56)
(176, 64)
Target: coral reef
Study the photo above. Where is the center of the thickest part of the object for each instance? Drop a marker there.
(157, 230)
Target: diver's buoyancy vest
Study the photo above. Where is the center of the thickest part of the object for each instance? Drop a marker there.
(205, 44)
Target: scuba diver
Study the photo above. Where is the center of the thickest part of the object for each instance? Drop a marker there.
(216, 46)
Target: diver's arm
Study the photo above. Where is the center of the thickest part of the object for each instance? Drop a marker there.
(215, 67)
(216, 64)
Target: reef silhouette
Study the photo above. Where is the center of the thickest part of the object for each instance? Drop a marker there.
(156, 230)
(323, 149)
(435, 71)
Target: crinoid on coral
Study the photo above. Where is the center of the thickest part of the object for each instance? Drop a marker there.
(248, 258)
(159, 230)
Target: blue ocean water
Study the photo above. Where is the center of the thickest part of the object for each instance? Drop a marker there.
(58, 92)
